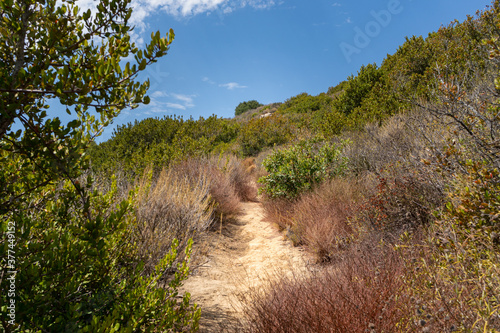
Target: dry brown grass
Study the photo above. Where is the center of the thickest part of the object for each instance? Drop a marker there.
(359, 294)
(223, 194)
(403, 200)
(241, 175)
(249, 165)
(320, 219)
(278, 211)
(170, 206)
(405, 139)
(186, 200)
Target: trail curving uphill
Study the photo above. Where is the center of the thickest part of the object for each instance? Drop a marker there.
(243, 255)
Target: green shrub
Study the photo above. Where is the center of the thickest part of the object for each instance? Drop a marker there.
(245, 106)
(260, 133)
(455, 273)
(240, 174)
(158, 142)
(222, 191)
(305, 103)
(358, 88)
(76, 270)
(331, 122)
(296, 169)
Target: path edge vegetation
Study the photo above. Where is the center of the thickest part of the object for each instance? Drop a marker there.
(69, 260)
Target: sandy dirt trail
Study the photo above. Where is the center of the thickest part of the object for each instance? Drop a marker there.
(241, 256)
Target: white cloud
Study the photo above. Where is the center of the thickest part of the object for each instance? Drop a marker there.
(231, 85)
(336, 4)
(185, 8)
(162, 101)
(186, 99)
(158, 94)
(182, 8)
(259, 4)
(206, 79)
(175, 106)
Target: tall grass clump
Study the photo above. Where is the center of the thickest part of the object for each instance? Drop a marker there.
(320, 219)
(279, 211)
(359, 294)
(222, 189)
(169, 207)
(185, 200)
(241, 175)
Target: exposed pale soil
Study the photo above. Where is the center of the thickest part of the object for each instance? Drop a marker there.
(243, 254)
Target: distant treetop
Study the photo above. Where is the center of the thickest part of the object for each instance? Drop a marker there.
(245, 106)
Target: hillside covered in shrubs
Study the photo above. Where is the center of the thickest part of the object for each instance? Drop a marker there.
(390, 179)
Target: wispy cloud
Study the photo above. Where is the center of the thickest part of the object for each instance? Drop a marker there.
(162, 101)
(206, 79)
(187, 100)
(158, 94)
(232, 85)
(229, 85)
(142, 9)
(182, 8)
(259, 4)
(336, 4)
(175, 106)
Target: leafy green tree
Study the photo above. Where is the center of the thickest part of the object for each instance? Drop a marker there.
(71, 265)
(135, 146)
(357, 88)
(245, 106)
(52, 51)
(260, 133)
(305, 103)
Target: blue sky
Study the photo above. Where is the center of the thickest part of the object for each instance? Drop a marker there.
(229, 51)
